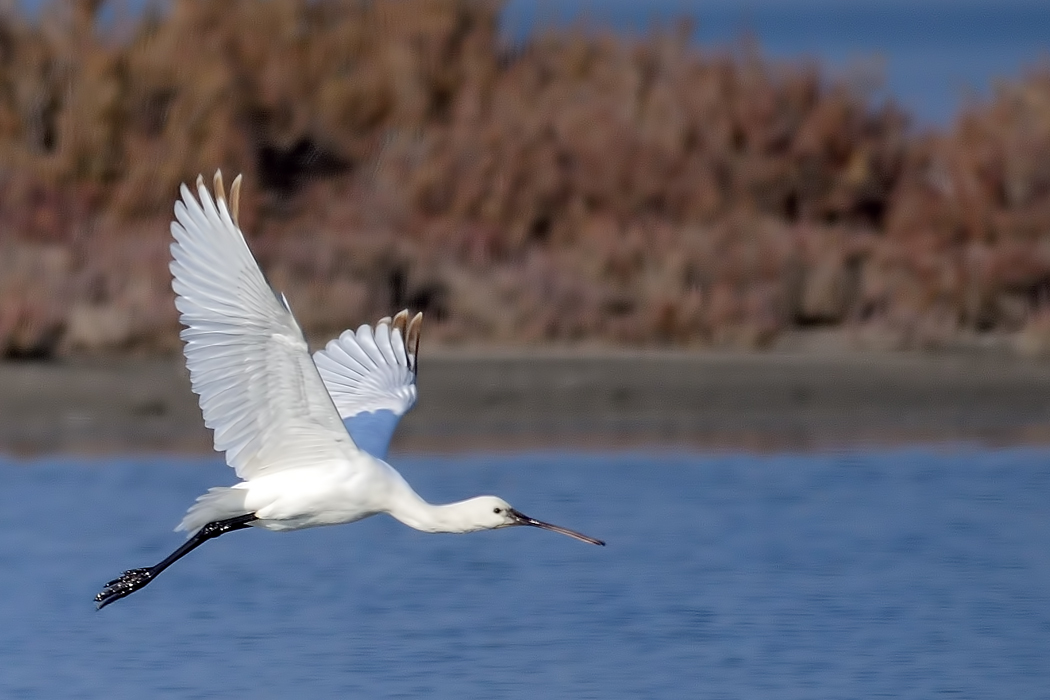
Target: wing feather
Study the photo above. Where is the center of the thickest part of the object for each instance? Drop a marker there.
(371, 378)
(382, 339)
(248, 361)
(367, 342)
(397, 341)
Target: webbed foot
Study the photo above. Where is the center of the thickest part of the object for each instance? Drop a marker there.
(124, 585)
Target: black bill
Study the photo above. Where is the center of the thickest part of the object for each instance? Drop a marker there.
(523, 519)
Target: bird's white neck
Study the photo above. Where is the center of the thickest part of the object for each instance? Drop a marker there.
(410, 508)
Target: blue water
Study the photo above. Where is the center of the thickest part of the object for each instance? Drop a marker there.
(907, 574)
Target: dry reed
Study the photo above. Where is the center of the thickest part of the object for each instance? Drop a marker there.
(584, 188)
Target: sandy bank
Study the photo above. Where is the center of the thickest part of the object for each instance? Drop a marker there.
(504, 401)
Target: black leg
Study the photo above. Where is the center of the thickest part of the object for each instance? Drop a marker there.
(134, 579)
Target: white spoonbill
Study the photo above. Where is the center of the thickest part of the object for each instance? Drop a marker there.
(306, 436)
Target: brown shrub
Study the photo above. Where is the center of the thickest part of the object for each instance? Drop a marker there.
(583, 188)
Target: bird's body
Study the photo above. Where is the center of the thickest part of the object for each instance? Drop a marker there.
(307, 435)
(334, 494)
(323, 494)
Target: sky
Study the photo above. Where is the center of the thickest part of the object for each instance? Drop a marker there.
(932, 54)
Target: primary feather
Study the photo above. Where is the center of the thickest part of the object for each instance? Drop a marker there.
(371, 377)
(248, 361)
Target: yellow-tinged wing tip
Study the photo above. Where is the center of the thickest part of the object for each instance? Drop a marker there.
(234, 202)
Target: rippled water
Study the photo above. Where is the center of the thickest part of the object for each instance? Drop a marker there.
(903, 574)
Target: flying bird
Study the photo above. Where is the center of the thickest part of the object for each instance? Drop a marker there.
(307, 435)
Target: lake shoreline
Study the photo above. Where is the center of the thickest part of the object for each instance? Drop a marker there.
(506, 401)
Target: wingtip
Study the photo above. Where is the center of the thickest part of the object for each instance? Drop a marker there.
(233, 203)
(400, 321)
(235, 200)
(220, 190)
(415, 327)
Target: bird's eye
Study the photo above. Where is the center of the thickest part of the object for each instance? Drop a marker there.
(497, 511)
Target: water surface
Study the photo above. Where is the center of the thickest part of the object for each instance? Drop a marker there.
(903, 574)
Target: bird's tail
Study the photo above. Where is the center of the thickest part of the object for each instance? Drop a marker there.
(220, 503)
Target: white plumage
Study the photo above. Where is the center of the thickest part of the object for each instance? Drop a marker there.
(307, 436)
(371, 377)
(248, 361)
(370, 370)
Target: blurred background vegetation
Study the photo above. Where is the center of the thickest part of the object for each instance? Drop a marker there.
(581, 187)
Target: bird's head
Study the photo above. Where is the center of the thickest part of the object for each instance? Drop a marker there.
(492, 513)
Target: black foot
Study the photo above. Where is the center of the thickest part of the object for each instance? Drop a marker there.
(124, 585)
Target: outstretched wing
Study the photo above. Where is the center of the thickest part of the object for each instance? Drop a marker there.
(248, 360)
(371, 376)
